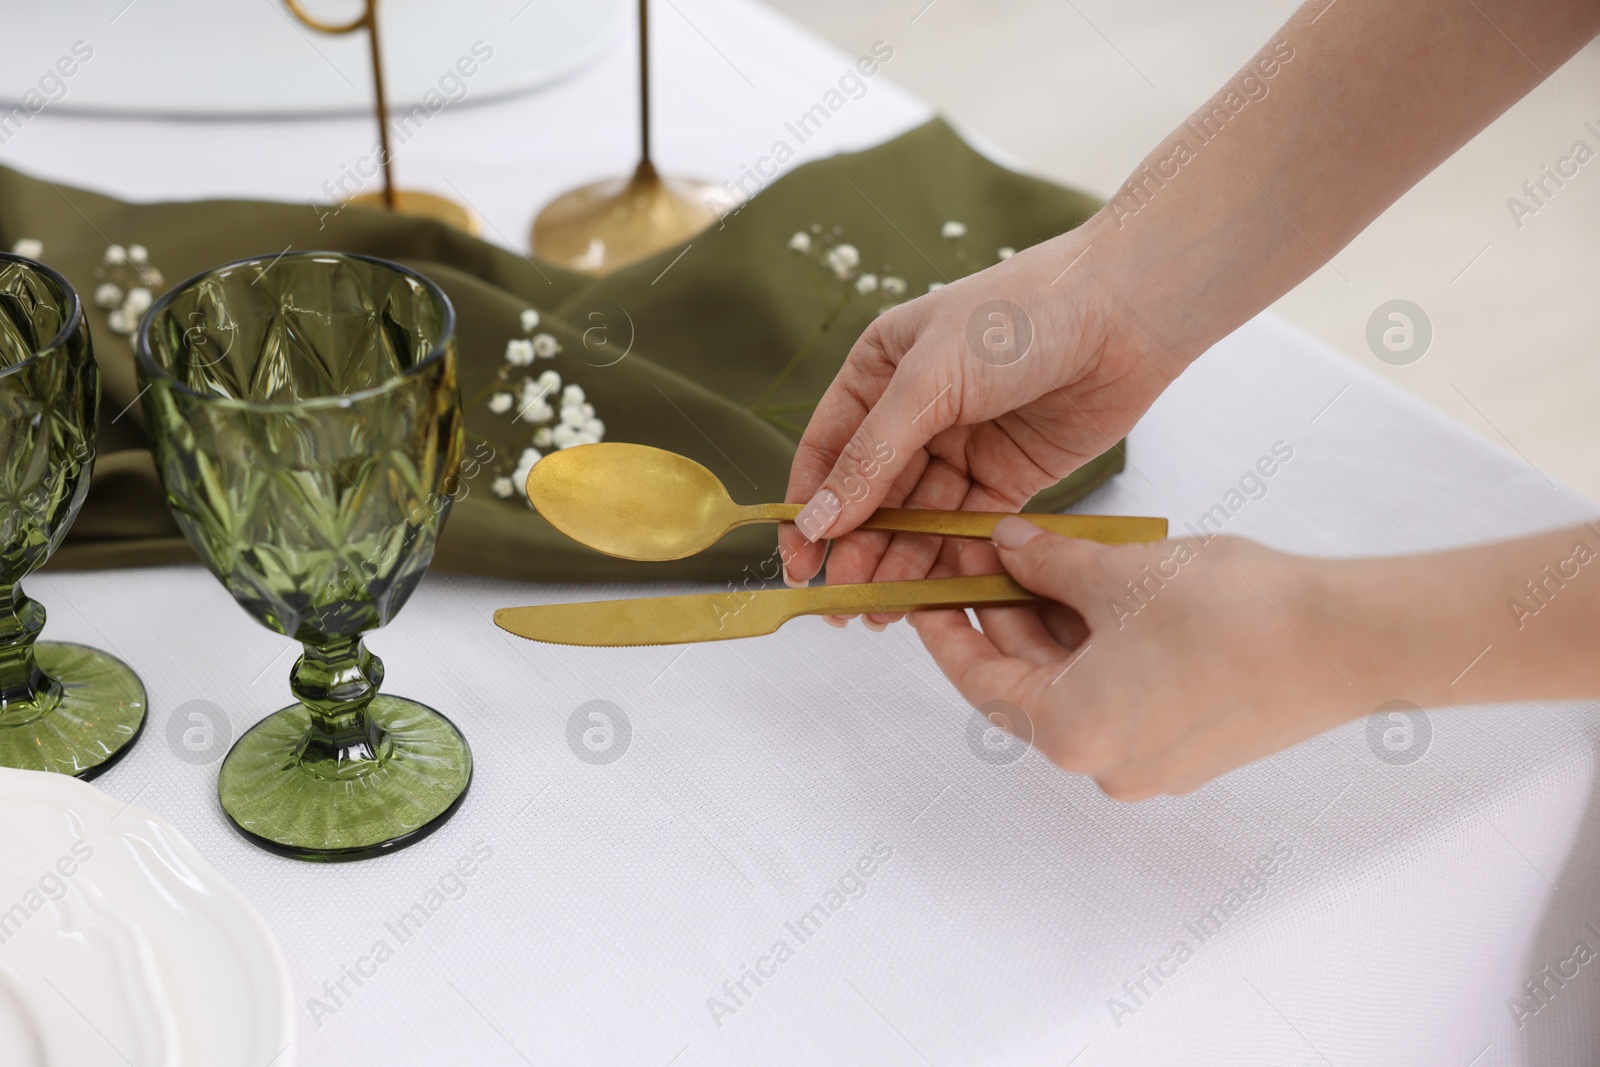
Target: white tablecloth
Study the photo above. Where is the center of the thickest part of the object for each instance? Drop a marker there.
(1012, 913)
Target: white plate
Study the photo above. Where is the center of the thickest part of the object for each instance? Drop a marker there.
(250, 57)
(120, 945)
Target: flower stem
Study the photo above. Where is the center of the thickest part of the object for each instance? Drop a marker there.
(778, 409)
(782, 423)
(800, 354)
(499, 384)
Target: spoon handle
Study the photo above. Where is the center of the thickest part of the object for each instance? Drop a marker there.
(1106, 529)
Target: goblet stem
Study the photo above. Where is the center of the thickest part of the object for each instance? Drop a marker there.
(26, 692)
(336, 681)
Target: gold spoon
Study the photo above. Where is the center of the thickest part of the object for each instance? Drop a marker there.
(645, 503)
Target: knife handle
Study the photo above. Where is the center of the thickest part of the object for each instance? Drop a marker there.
(980, 591)
(1106, 529)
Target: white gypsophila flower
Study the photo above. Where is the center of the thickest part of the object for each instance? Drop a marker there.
(549, 381)
(120, 321)
(565, 436)
(542, 438)
(572, 394)
(893, 286)
(532, 405)
(500, 403)
(573, 416)
(138, 300)
(535, 409)
(31, 247)
(530, 320)
(800, 242)
(504, 487)
(843, 260)
(867, 283)
(935, 285)
(108, 295)
(519, 352)
(588, 409)
(115, 256)
(595, 428)
(138, 254)
(1006, 252)
(529, 457)
(953, 230)
(545, 345)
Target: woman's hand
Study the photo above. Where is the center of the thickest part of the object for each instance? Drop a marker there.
(1210, 229)
(1156, 667)
(976, 396)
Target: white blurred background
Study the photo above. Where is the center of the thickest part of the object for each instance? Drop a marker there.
(1079, 90)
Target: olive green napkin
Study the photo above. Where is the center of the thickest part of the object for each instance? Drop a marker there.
(707, 327)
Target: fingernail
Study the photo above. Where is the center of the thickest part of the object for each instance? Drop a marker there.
(837, 621)
(816, 518)
(874, 625)
(1013, 531)
(791, 581)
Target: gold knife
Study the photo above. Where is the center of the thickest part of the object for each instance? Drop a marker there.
(673, 620)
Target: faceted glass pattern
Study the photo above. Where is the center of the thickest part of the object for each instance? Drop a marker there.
(63, 707)
(306, 423)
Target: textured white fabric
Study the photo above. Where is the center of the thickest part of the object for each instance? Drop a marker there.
(1406, 903)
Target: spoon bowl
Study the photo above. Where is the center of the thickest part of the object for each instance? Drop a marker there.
(642, 503)
(633, 501)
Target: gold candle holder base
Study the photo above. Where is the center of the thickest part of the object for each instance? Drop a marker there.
(600, 228)
(423, 206)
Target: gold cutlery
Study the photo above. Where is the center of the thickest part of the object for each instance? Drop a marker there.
(644, 503)
(671, 620)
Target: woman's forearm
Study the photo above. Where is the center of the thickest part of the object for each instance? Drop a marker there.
(1348, 106)
(1513, 620)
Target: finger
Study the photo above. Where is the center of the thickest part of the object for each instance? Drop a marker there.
(918, 555)
(944, 566)
(860, 546)
(916, 404)
(1067, 627)
(942, 487)
(855, 389)
(906, 556)
(978, 670)
(855, 557)
(982, 672)
(1018, 632)
(1082, 574)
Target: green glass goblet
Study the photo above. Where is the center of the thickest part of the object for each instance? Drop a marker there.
(306, 422)
(63, 707)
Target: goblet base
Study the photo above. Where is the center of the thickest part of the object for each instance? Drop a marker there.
(89, 714)
(316, 810)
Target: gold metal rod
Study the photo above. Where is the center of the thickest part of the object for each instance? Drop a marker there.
(369, 20)
(389, 199)
(1106, 529)
(646, 166)
(335, 28)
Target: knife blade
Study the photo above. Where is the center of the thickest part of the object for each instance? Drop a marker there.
(672, 620)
